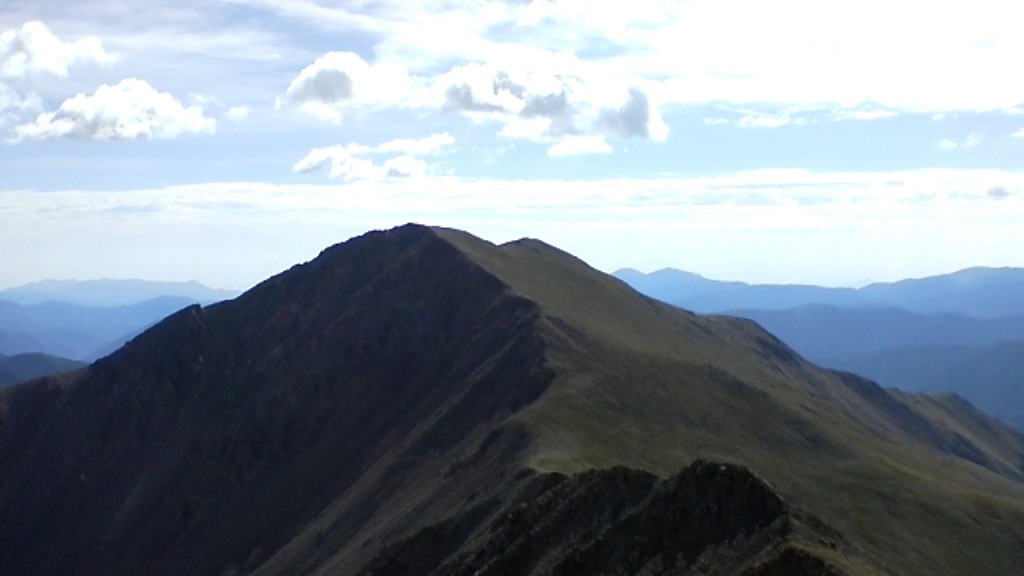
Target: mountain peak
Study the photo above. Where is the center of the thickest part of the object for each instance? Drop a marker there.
(403, 394)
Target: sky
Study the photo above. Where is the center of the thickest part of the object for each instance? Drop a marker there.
(794, 141)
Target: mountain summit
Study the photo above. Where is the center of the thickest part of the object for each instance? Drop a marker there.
(419, 401)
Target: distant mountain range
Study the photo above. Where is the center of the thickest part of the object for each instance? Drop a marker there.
(420, 402)
(979, 292)
(991, 377)
(109, 293)
(960, 333)
(77, 332)
(14, 369)
(83, 321)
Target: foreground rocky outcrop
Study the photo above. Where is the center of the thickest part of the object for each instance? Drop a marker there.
(710, 518)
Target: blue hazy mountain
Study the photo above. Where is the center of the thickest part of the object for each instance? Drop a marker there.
(827, 334)
(111, 292)
(980, 292)
(961, 333)
(14, 369)
(991, 378)
(980, 359)
(75, 331)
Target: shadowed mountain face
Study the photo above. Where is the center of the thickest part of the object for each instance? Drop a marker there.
(418, 401)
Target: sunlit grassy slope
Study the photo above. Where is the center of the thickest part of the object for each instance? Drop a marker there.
(922, 485)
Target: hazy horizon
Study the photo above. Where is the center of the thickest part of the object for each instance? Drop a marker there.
(225, 141)
(855, 285)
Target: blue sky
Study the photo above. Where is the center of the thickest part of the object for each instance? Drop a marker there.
(791, 141)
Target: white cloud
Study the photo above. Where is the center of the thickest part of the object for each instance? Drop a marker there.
(878, 224)
(350, 162)
(760, 121)
(973, 140)
(578, 145)
(238, 113)
(130, 109)
(13, 107)
(33, 49)
(534, 95)
(736, 51)
(429, 146)
(335, 79)
(635, 118)
(751, 118)
(864, 114)
(546, 101)
(340, 162)
(1018, 133)
(1000, 192)
(404, 166)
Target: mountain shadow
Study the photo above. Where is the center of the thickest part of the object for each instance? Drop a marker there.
(419, 401)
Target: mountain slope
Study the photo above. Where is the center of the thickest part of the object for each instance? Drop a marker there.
(980, 359)
(404, 394)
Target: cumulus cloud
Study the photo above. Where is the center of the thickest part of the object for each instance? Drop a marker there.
(128, 110)
(340, 162)
(636, 118)
(33, 49)
(335, 79)
(351, 163)
(529, 94)
(478, 87)
(551, 103)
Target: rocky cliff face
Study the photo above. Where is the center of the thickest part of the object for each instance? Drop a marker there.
(615, 521)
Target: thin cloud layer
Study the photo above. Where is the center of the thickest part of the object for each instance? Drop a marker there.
(128, 110)
(972, 140)
(351, 163)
